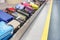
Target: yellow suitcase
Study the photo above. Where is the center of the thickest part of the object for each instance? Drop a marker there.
(34, 6)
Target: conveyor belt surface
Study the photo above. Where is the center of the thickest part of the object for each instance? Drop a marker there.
(54, 28)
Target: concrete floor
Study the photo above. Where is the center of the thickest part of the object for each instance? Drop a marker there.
(36, 28)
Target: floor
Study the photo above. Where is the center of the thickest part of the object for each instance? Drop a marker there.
(54, 30)
(36, 28)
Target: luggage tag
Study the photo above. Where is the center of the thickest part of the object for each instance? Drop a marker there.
(14, 23)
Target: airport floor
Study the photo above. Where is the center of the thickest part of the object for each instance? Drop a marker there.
(35, 30)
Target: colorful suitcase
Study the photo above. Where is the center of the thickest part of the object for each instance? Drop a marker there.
(21, 17)
(10, 10)
(21, 22)
(24, 13)
(19, 6)
(14, 23)
(5, 16)
(26, 4)
(34, 5)
(29, 10)
(5, 30)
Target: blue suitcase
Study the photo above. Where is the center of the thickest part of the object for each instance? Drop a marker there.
(19, 6)
(6, 31)
(5, 16)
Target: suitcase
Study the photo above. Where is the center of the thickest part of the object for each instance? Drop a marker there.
(10, 10)
(5, 16)
(15, 14)
(14, 23)
(21, 22)
(29, 10)
(5, 31)
(21, 17)
(19, 6)
(24, 13)
(9, 36)
(26, 4)
(18, 15)
(34, 6)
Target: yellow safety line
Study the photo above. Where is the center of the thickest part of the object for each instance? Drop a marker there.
(46, 27)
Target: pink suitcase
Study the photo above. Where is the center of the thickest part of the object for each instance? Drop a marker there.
(26, 4)
(29, 9)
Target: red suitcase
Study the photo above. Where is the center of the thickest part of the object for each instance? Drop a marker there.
(10, 10)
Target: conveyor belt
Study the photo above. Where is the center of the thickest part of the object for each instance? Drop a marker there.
(54, 28)
(36, 28)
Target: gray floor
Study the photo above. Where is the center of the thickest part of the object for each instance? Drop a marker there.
(36, 28)
(54, 30)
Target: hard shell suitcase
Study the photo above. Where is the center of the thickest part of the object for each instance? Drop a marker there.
(29, 9)
(19, 6)
(18, 15)
(10, 10)
(5, 30)
(14, 23)
(34, 5)
(24, 13)
(5, 16)
(7, 37)
(21, 16)
(26, 4)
